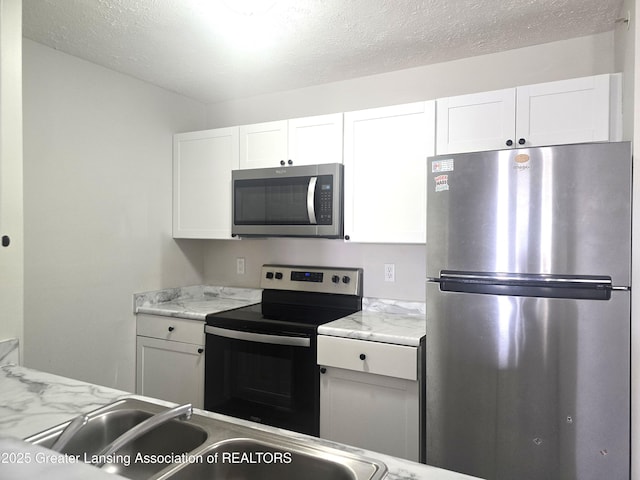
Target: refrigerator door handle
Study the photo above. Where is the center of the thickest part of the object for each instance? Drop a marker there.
(621, 289)
(586, 287)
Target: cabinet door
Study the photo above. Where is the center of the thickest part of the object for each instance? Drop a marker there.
(263, 145)
(172, 371)
(569, 111)
(202, 164)
(480, 121)
(315, 140)
(370, 411)
(385, 171)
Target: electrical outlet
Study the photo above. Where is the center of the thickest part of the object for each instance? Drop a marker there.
(240, 265)
(389, 272)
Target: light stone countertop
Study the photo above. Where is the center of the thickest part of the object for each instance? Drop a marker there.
(194, 302)
(382, 320)
(32, 401)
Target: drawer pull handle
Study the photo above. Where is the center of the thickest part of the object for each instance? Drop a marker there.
(323, 370)
(363, 356)
(171, 329)
(200, 350)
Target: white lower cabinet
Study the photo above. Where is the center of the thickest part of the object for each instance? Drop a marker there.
(170, 359)
(369, 395)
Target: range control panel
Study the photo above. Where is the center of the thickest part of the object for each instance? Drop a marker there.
(345, 281)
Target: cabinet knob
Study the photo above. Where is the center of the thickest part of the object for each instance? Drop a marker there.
(290, 162)
(323, 370)
(347, 237)
(363, 356)
(522, 141)
(6, 240)
(281, 162)
(171, 329)
(200, 350)
(509, 143)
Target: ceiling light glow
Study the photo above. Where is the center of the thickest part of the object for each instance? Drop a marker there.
(245, 25)
(249, 7)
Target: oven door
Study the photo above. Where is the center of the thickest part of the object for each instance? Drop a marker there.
(265, 378)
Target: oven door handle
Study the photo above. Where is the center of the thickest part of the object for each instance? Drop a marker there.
(259, 337)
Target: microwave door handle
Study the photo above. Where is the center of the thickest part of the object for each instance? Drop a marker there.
(311, 195)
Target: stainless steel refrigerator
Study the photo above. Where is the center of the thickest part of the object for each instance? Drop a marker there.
(528, 312)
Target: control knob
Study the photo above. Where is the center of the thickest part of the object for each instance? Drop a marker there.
(269, 275)
(346, 279)
(278, 275)
(335, 279)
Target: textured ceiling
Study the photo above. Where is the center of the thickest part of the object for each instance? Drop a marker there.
(209, 50)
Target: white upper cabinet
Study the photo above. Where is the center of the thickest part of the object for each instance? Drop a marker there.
(202, 164)
(300, 141)
(316, 140)
(263, 144)
(385, 151)
(568, 111)
(480, 121)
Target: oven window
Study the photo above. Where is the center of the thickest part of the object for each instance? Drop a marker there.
(264, 376)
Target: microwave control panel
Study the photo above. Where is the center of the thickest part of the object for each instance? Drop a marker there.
(324, 200)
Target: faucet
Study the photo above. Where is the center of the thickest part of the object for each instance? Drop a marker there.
(182, 412)
(69, 432)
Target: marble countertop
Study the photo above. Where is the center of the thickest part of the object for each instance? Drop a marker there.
(194, 302)
(381, 320)
(32, 401)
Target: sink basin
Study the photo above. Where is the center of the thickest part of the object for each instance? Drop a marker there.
(205, 448)
(249, 459)
(172, 438)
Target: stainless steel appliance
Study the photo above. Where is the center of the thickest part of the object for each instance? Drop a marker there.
(528, 312)
(304, 201)
(261, 360)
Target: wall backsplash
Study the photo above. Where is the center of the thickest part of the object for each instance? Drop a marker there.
(220, 262)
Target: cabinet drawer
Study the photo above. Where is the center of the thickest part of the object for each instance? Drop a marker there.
(371, 357)
(170, 328)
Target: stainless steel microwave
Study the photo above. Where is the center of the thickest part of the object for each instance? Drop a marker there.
(299, 201)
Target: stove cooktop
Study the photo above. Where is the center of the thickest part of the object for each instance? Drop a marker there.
(296, 299)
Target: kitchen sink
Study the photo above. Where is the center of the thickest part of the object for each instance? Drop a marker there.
(204, 448)
(249, 459)
(171, 438)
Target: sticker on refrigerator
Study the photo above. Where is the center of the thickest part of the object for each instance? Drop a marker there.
(438, 166)
(442, 183)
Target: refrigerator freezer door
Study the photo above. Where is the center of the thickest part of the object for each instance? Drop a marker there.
(528, 388)
(562, 210)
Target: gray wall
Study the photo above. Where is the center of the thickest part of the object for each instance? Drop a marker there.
(97, 188)
(553, 61)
